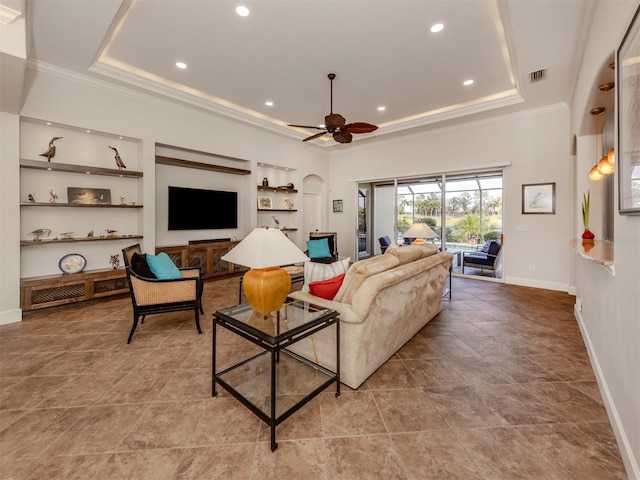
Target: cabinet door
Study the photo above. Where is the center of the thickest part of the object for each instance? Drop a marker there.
(198, 258)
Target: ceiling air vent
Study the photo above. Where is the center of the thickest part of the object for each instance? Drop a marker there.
(538, 75)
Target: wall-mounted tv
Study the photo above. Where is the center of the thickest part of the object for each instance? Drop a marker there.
(198, 209)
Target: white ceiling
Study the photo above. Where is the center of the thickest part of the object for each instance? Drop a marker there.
(381, 51)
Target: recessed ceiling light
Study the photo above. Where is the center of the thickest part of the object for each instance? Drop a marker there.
(269, 103)
(437, 27)
(381, 108)
(88, 131)
(242, 10)
(48, 123)
(466, 83)
(181, 65)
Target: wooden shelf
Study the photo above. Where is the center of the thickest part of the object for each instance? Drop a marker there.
(177, 162)
(276, 210)
(276, 189)
(75, 205)
(32, 243)
(289, 229)
(84, 169)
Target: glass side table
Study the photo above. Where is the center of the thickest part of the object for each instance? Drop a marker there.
(275, 383)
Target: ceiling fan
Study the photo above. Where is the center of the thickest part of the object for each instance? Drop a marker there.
(334, 123)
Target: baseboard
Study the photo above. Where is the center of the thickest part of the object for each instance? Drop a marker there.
(630, 463)
(10, 316)
(527, 282)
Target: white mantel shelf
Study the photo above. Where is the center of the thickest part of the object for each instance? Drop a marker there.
(597, 251)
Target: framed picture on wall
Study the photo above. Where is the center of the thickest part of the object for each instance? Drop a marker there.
(337, 206)
(265, 202)
(627, 156)
(539, 198)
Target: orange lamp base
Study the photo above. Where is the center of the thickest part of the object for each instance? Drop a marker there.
(418, 241)
(266, 288)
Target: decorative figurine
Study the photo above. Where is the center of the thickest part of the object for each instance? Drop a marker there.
(66, 235)
(51, 151)
(90, 234)
(122, 197)
(111, 232)
(39, 232)
(114, 261)
(119, 161)
(53, 196)
(276, 221)
(31, 198)
(288, 203)
(265, 182)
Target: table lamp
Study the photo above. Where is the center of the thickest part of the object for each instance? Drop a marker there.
(264, 251)
(419, 231)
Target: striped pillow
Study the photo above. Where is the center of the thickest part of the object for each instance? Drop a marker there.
(314, 271)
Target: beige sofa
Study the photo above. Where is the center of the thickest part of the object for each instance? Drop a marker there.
(383, 302)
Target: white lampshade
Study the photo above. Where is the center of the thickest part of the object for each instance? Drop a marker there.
(263, 248)
(420, 230)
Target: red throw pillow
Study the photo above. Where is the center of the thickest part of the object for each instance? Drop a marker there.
(326, 288)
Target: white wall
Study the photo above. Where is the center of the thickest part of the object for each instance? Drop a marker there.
(610, 316)
(62, 97)
(535, 144)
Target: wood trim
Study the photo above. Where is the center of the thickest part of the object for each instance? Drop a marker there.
(75, 205)
(177, 162)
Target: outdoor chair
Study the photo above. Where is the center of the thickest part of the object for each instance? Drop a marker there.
(385, 242)
(484, 259)
(152, 295)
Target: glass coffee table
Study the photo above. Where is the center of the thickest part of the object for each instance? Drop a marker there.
(275, 382)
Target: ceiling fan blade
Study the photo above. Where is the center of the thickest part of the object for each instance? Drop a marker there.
(314, 136)
(360, 127)
(342, 136)
(306, 126)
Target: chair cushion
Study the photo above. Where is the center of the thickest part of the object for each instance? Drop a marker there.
(140, 266)
(485, 247)
(360, 271)
(314, 272)
(162, 266)
(494, 248)
(318, 248)
(326, 289)
(479, 258)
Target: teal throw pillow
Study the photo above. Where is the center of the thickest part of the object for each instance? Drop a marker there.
(162, 266)
(318, 248)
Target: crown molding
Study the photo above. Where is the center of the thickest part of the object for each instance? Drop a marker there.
(8, 15)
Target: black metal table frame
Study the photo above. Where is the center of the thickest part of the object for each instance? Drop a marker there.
(275, 346)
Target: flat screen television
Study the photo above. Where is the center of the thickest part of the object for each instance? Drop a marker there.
(198, 209)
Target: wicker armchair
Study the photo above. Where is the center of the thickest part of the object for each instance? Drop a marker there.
(150, 295)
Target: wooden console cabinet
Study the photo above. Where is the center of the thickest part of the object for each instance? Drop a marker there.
(51, 290)
(207, 256)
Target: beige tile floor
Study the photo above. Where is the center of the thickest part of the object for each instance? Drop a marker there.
(498, 386)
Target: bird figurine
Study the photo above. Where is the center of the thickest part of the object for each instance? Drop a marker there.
(51, 151)
(53, 196)
(90, 234)
(31, 198)
(119, 161)
(66, 235)
(277, 222)
(39, 232)
(110, 232)
(122, 198)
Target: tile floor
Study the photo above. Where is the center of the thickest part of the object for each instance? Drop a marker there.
(498, 386)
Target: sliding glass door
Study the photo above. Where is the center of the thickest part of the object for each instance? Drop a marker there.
(464, 211)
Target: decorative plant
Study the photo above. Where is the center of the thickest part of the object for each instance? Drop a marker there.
(586, 202)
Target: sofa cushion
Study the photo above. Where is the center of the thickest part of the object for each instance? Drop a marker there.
(318, 248)
(326, 289)
(314, 272)
(162, 266)
(405, 254)
(360, 271)
(140, 266)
